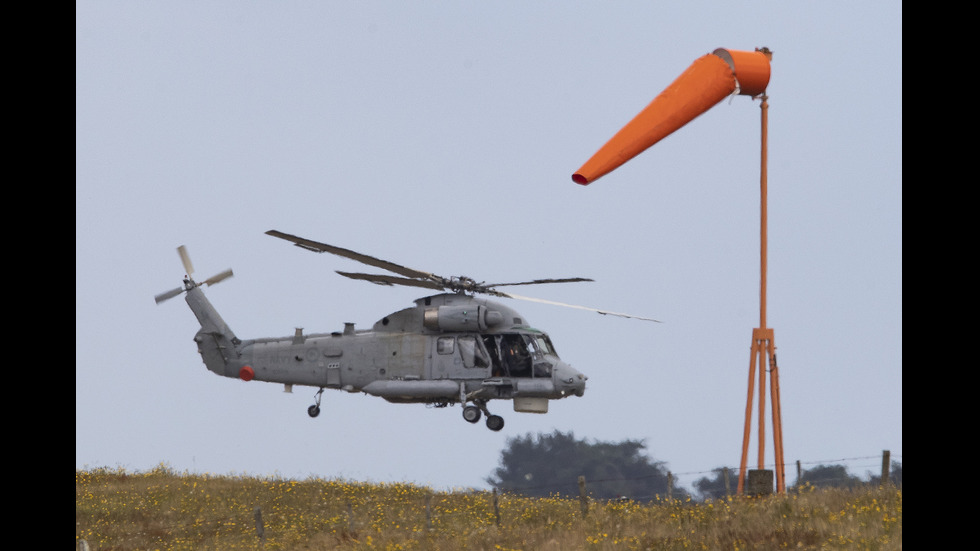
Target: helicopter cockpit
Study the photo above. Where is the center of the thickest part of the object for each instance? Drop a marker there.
(519, 354)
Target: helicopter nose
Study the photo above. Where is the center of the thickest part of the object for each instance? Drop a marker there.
(570, 379)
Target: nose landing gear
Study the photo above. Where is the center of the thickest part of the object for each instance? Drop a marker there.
(472, 414)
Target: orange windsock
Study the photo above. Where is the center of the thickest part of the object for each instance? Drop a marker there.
(706, 82)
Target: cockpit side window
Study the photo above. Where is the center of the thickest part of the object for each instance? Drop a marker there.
(516, 357)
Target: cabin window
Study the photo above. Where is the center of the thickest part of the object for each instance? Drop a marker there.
(445, 345)
(473, 354)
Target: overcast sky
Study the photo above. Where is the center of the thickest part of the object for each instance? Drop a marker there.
(442, 135)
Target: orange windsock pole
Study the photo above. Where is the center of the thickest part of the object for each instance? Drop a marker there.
(706, 82)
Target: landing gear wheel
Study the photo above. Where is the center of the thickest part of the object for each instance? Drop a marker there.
(471, 414)
(495, 422)
(314, 410)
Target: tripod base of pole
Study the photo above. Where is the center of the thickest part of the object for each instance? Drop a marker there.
(763, 351)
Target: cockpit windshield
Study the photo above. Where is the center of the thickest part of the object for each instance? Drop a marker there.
(540, 345)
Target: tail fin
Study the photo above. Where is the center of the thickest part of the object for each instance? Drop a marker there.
(216, 342)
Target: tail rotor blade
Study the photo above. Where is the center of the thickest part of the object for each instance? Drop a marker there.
(219, 277)
(189, 282)
(168, 295)
(186, 259)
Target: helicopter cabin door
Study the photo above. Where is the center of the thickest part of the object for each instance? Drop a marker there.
(458, 357)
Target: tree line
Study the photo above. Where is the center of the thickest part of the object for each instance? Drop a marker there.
(545, 465)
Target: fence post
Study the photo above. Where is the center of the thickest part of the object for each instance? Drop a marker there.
(582, 496)
(670, 485)
(259, 527)
(728, 485)
(799, 472)
(885, 466)
(496, 507)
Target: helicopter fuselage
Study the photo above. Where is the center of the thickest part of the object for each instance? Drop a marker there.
(449, 348)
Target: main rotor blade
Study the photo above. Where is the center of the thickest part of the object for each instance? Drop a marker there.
(168, 295)
(537, 281)
(604, 312)
(218, 277)
(316, 246)
(392, 280)
(186, 259)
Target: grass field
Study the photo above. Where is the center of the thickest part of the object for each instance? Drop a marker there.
(161, 509)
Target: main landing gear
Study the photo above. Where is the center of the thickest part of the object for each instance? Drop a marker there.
(314, 410)
(472, 414)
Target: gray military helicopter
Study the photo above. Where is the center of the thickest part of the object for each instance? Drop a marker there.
(449, 348)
